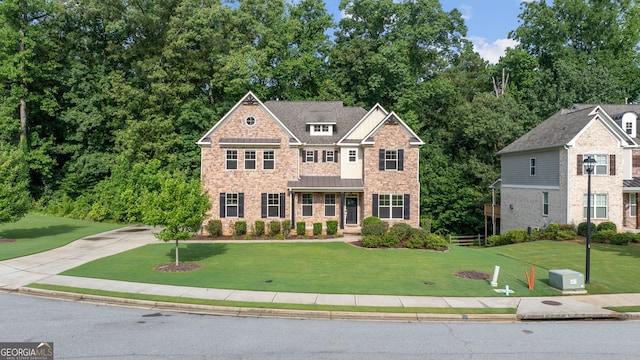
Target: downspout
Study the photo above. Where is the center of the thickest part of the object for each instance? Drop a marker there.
(566, 192)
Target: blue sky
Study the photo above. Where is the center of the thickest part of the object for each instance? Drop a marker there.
(488, 23)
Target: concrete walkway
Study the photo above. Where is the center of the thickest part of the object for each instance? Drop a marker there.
(44, 268)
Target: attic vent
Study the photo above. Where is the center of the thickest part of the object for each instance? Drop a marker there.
(393, 120)
(250, 100)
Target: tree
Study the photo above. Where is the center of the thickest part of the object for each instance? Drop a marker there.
(15, 199)
(179, 206)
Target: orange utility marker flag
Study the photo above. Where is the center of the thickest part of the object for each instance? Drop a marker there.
(530, 278)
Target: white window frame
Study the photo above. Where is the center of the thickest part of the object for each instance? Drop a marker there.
(391, 160)
(633, 205)
(599, 206)
(231, 158)
(329, 205)
(309, 156)
(273, 202)
(353, 155)
(628, 127)
(266, 160)
(330, 156)
(391, 206)
(321, 130)
(532, 166)
(307, 204)
(231, 202)
(545, 203)
(601, 167)
(250, 121)
(248, 159)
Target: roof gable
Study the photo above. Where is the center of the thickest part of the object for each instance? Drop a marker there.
(395, 120)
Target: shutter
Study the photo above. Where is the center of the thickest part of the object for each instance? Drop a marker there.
(612, 164)
(303, 155)
(240, 205)
(263, 205)
(400, 159)
(374, 209)
(282, 200)
(580, 165)
(335, 155)
(381, 159)
(407, 206)
(223, 203)
(324, 155)
(315, 155)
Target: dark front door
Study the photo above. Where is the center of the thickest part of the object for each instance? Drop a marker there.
(352, 210)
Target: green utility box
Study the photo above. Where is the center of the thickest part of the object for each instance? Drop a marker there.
(566, 279)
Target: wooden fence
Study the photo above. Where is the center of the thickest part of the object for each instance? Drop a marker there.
(466, 240)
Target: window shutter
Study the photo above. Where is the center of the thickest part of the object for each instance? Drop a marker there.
(381, 159)
(263, 205)
(315, 155)
(303, 155)
(400, 159)
(223, 203)
(407, 206)
(335, 155)
(240, 205)
(282, 200)
(324, 155)
(612, 164)
(580, 165)
(374, 209)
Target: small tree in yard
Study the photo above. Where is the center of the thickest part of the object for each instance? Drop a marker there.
(179, 206)
(15, 199)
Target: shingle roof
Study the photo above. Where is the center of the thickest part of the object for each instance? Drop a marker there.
(326, 182)
(633, 183)
(295, 115)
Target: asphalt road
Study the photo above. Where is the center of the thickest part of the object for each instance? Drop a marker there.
(89, 331)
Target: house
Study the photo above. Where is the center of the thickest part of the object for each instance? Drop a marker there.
(310, 161)
(543, 178)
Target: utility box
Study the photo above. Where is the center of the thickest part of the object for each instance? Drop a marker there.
(566, 279)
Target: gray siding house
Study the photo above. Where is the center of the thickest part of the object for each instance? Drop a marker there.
(542, 173)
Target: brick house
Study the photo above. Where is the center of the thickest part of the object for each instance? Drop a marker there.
(310, 161)
(543, 179)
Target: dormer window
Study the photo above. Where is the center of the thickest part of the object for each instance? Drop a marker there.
(321, 129)
(628, 127)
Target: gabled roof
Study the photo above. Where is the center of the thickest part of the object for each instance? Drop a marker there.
(345, 139)
(297, 115)
(395, 119)
(562, 128)
(252, 99)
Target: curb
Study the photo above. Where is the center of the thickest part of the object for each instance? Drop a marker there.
(268, 313)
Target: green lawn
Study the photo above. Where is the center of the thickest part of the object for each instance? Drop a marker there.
(342, 268)
(36, 233)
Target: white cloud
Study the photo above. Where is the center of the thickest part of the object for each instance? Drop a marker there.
(466, 12)
(492, 52)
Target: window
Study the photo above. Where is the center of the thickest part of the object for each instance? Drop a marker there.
(329, 205)
(601, 167)
(390, 206)
(532, 167)
(321, 129)
(250, 120)
(232, 159)
(545, 203)
(309, 156)
(231, 205)
(273, 205)
(353, 155)
(330, 156)
(307, 204)
(249, 159)
(268, 159)
(391, 159)
(633, 206)
(628, 126)
(598, 206)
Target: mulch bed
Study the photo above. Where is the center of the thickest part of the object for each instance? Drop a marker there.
(182, 267)
(474, 275)
(5, 240)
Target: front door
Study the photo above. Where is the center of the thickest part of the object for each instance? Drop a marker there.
(352, 210)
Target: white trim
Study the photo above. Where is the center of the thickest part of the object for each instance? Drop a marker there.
(379, 126)
(539, 187)
(375, 107)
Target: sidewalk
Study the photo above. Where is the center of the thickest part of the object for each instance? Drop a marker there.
(44, 268)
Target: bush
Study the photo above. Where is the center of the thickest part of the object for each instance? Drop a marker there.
(370, 220)
(560, 232)
(435, 242)
(416, 239)
(401, 230)
(603, 236)
(607, 225)
(317, 228)
(274, 227)
(498, 240)
(622, 239)
(214, 228)
(286, 227)
(582, 228)
(515, 236)
(240, 228)
(301, 228)
(390, 240)
(425, 224)
(375, 228)
(371, 241)
(332, 227)
(259, 227)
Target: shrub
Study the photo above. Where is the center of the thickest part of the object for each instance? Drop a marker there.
(371, 241)
(390, 240)
(286, 227)
(259, 227)
(603, 236)
(498, 240)
(582, 228)
(317, 228)
(332, 227)
(416, 239)
(565, 235)
(274, 227)
(560, 232)
(301, 228)
(636, 238)
(622, 239)
(278, 237)
(214, 228)
(375, 228)
(435, 242)
(401, 230)
(240, 228)
(425, 224)
(515, 236)
(370, 220)
(607, 225)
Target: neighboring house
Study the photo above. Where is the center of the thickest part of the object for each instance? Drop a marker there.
(310, 161)
(543, 179)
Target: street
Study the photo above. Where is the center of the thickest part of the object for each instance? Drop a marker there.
(89, 331)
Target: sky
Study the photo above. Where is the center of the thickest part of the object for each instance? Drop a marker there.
(488, 23)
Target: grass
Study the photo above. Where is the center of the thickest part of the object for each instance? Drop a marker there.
(182, 300)
(344, 269)
(36, 233)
